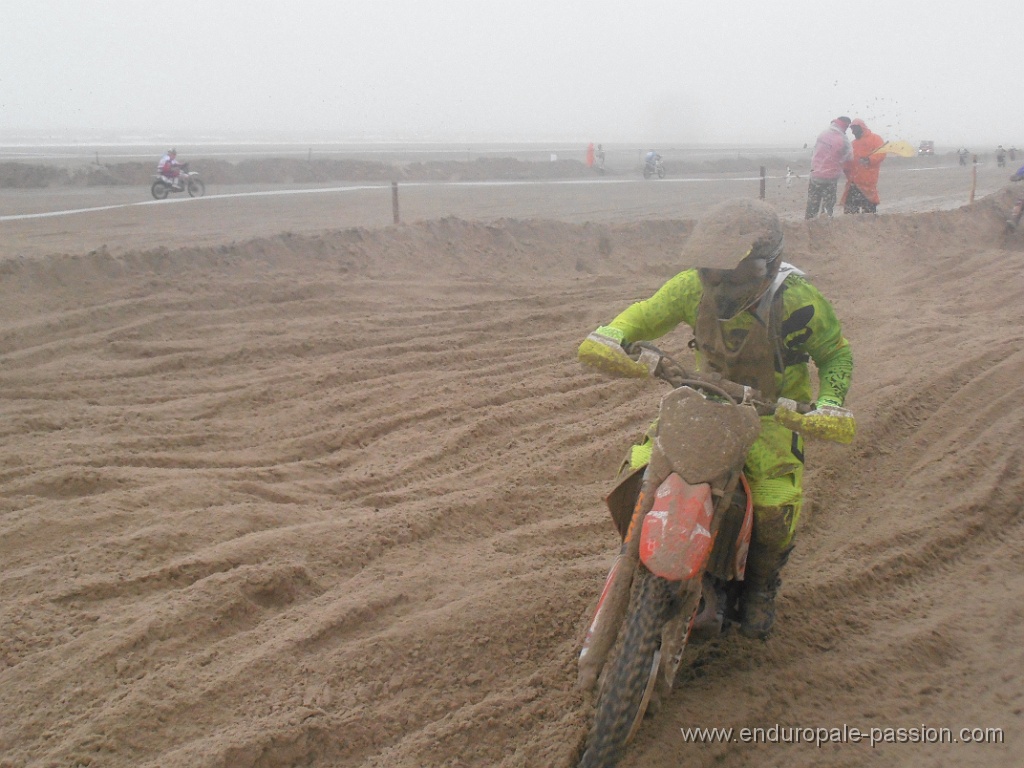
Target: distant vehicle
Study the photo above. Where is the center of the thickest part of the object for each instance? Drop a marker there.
(653, 166)
(188, 181)
(926, 148)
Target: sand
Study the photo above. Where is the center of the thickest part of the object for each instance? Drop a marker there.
(294, 487)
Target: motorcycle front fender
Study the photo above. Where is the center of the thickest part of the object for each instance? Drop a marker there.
(676, 538)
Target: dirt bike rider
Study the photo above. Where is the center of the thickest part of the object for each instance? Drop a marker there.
(169, 168)
(757, 320)
(651, 159)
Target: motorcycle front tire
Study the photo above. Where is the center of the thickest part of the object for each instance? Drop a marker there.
(628, 673)
(647, 172)
(196, 188)
(661, 173)
(160, 190)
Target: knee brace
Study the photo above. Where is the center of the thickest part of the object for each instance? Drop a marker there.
(774, 527)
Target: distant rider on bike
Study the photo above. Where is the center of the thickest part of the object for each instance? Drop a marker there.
(756, 320)
(170, 169)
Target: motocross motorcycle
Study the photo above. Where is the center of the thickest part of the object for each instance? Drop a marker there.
(685, 521)
(188, 181)
(654, 167)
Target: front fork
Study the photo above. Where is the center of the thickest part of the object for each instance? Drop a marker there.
(614, 600)
(674, 637)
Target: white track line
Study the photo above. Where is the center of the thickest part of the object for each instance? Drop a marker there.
(385, 185)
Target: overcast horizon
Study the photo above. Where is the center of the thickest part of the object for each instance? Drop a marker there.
(651, 72)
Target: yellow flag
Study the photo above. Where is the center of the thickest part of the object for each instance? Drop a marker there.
(901, 148)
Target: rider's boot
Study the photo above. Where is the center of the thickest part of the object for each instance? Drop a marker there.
(769, 550)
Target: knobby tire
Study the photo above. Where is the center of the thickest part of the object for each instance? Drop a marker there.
(627, 674)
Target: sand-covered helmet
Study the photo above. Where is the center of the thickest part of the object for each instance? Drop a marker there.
(737, 247)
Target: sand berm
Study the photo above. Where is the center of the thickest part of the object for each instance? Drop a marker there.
(335, 499)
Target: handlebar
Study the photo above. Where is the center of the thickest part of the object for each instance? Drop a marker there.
(669, 370)
(833, 424)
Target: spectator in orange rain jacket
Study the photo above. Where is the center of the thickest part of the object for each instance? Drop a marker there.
(861, 193)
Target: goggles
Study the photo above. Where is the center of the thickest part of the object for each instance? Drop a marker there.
(746, 272)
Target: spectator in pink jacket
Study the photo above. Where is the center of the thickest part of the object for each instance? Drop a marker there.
(831, 151)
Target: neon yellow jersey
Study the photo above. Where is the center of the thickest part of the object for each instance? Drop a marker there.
(810, 328)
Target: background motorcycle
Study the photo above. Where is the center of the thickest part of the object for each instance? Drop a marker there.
(685, 522)
(189, 182)
(656, 168)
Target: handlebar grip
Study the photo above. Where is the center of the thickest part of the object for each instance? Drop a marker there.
(834, 424)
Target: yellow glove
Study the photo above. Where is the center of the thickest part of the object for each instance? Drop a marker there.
(826, 422)
(602, 350)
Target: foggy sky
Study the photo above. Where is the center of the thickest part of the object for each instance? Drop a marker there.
(647, 71)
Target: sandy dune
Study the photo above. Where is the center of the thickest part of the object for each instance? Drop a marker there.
(332, 496)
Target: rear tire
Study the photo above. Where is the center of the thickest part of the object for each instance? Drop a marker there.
(159, 190)
(626, 678)
(661, 172)
(196, 188)
(647, 172)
